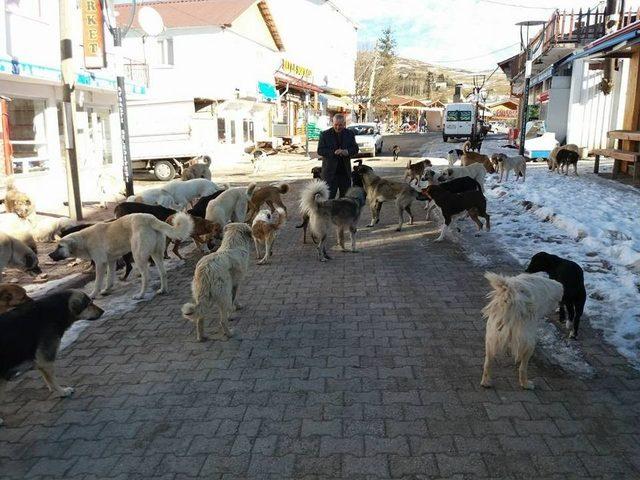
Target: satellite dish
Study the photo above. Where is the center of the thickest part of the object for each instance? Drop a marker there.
(150, 21)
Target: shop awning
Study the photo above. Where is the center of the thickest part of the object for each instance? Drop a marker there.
(268, 90)
(283, 79)
(334, 101)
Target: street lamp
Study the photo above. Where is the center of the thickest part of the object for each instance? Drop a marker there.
(524, 45)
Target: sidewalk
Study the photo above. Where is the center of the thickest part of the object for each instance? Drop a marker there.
(367, 366)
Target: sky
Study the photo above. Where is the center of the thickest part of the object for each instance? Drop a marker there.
(454, 33)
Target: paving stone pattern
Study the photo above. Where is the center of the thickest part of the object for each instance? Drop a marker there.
(365, 367)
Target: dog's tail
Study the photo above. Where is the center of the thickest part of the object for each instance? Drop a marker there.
(284, 188)
(181, 228)
(408, 164)
(466, 147)
(10, 183)
(502, 304)
(315, 192)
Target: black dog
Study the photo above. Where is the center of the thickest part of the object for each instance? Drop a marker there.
(158, 211)
(571, 276)
(31, 332)
(462, 184)
(200, 208)
(396, 152)
(565, 158)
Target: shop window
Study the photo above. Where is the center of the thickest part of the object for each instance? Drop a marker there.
(98, 134)
(27, 135)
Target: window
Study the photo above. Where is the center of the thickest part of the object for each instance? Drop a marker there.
(458, 116)
(245, 131)
(452, 116)
(465, 116)
(232, 127)
(166, 51)
(27, 135)
(221, 130)
(28, 8)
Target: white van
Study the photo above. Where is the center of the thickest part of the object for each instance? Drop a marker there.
(458, 120)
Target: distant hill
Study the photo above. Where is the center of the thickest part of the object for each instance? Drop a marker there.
(424, 80)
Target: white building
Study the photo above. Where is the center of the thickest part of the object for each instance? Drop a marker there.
(31, 89)
(221, 54)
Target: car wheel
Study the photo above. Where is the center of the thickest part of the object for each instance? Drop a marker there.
(379, 150)
(164, 170)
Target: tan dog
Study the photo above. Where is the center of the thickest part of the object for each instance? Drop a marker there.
(269, 195)
(11, 296)
(204, 231)
(17, 202)
(469, 158)
(552, 161)
(265, 229)
(415, 171)
(217, 278)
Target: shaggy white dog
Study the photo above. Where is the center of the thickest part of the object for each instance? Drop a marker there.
(230, 206)
(217, 278)
(477, 171)
(177, 194)
(513, 315)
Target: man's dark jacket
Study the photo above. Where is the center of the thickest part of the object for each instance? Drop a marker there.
(329, 142)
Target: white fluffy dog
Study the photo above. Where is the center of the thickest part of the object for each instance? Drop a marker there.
(217, 277)
(477, 171)
(230, 206)
(505, 164)
(513, 315)
(177, 194)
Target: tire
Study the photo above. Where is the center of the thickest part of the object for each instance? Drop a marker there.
(379, 150)
(445, 139)
(164, 170)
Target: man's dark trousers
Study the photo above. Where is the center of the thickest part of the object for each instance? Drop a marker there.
(336, 169)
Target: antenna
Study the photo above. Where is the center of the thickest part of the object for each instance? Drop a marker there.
(150, 21)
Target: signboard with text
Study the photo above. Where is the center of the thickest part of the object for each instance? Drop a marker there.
(295, 70)
(93, 34)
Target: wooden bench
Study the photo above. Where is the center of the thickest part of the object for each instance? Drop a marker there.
(618, 155)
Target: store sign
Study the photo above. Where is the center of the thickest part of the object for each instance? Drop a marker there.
(93, 34)
(295, 70)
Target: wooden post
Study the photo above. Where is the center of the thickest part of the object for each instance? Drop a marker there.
(632, 107)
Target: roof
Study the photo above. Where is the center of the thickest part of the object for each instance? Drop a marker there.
(201, 13)
(402, 101)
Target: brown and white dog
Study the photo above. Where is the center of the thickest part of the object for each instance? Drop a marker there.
(18, 202)
(11, 296)
(469, 158)
(505, 164)
(265, 229)
(203, 233)
(415, 171)
(453, 205)
(269, 195)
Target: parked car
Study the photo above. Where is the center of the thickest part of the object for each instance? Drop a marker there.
(458, 120)
(368, 138)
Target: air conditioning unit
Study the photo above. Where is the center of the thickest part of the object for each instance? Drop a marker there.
(280, 130)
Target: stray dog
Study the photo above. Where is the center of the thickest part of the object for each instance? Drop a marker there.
(379, 190)
(158, 211)
(203, 233)
(470, 145)
(11, 296)
(505, 164)
(476, 171)
(356, 178)
(469, 158)
(17, 202)
(454, 204)
(571, 276)
(269, 195)
(457, 185)
(16, 254)
(396, 152)
(265, 228)
(200, 207)
(513, 314)
(110, 189)
(454, 155)
(32, 332)
(565, 158)
(316, 172)
(126, 261)
(415, 171)
(176, 194)
(217, 278)
(552, 161)
(230, 206)
(322, 213)
(141, 234)
(198, 170)
(257, 159)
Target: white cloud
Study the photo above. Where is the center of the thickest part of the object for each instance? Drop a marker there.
(438, 31)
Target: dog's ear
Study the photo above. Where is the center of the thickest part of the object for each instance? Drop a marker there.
(30, 261)
(78, 301)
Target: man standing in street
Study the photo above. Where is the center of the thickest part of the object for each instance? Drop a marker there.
(336, 147)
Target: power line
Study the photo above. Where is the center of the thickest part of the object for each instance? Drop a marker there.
(476, 56)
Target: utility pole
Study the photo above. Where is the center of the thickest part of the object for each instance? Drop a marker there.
(372, 79)
(127, 170)
(69, 109)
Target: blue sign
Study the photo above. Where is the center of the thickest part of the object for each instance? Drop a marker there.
(268, 90)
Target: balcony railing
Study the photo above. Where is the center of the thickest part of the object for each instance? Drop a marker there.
(136, 72)
(567, 29)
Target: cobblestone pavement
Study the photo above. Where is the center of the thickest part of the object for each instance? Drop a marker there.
(365, 367)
